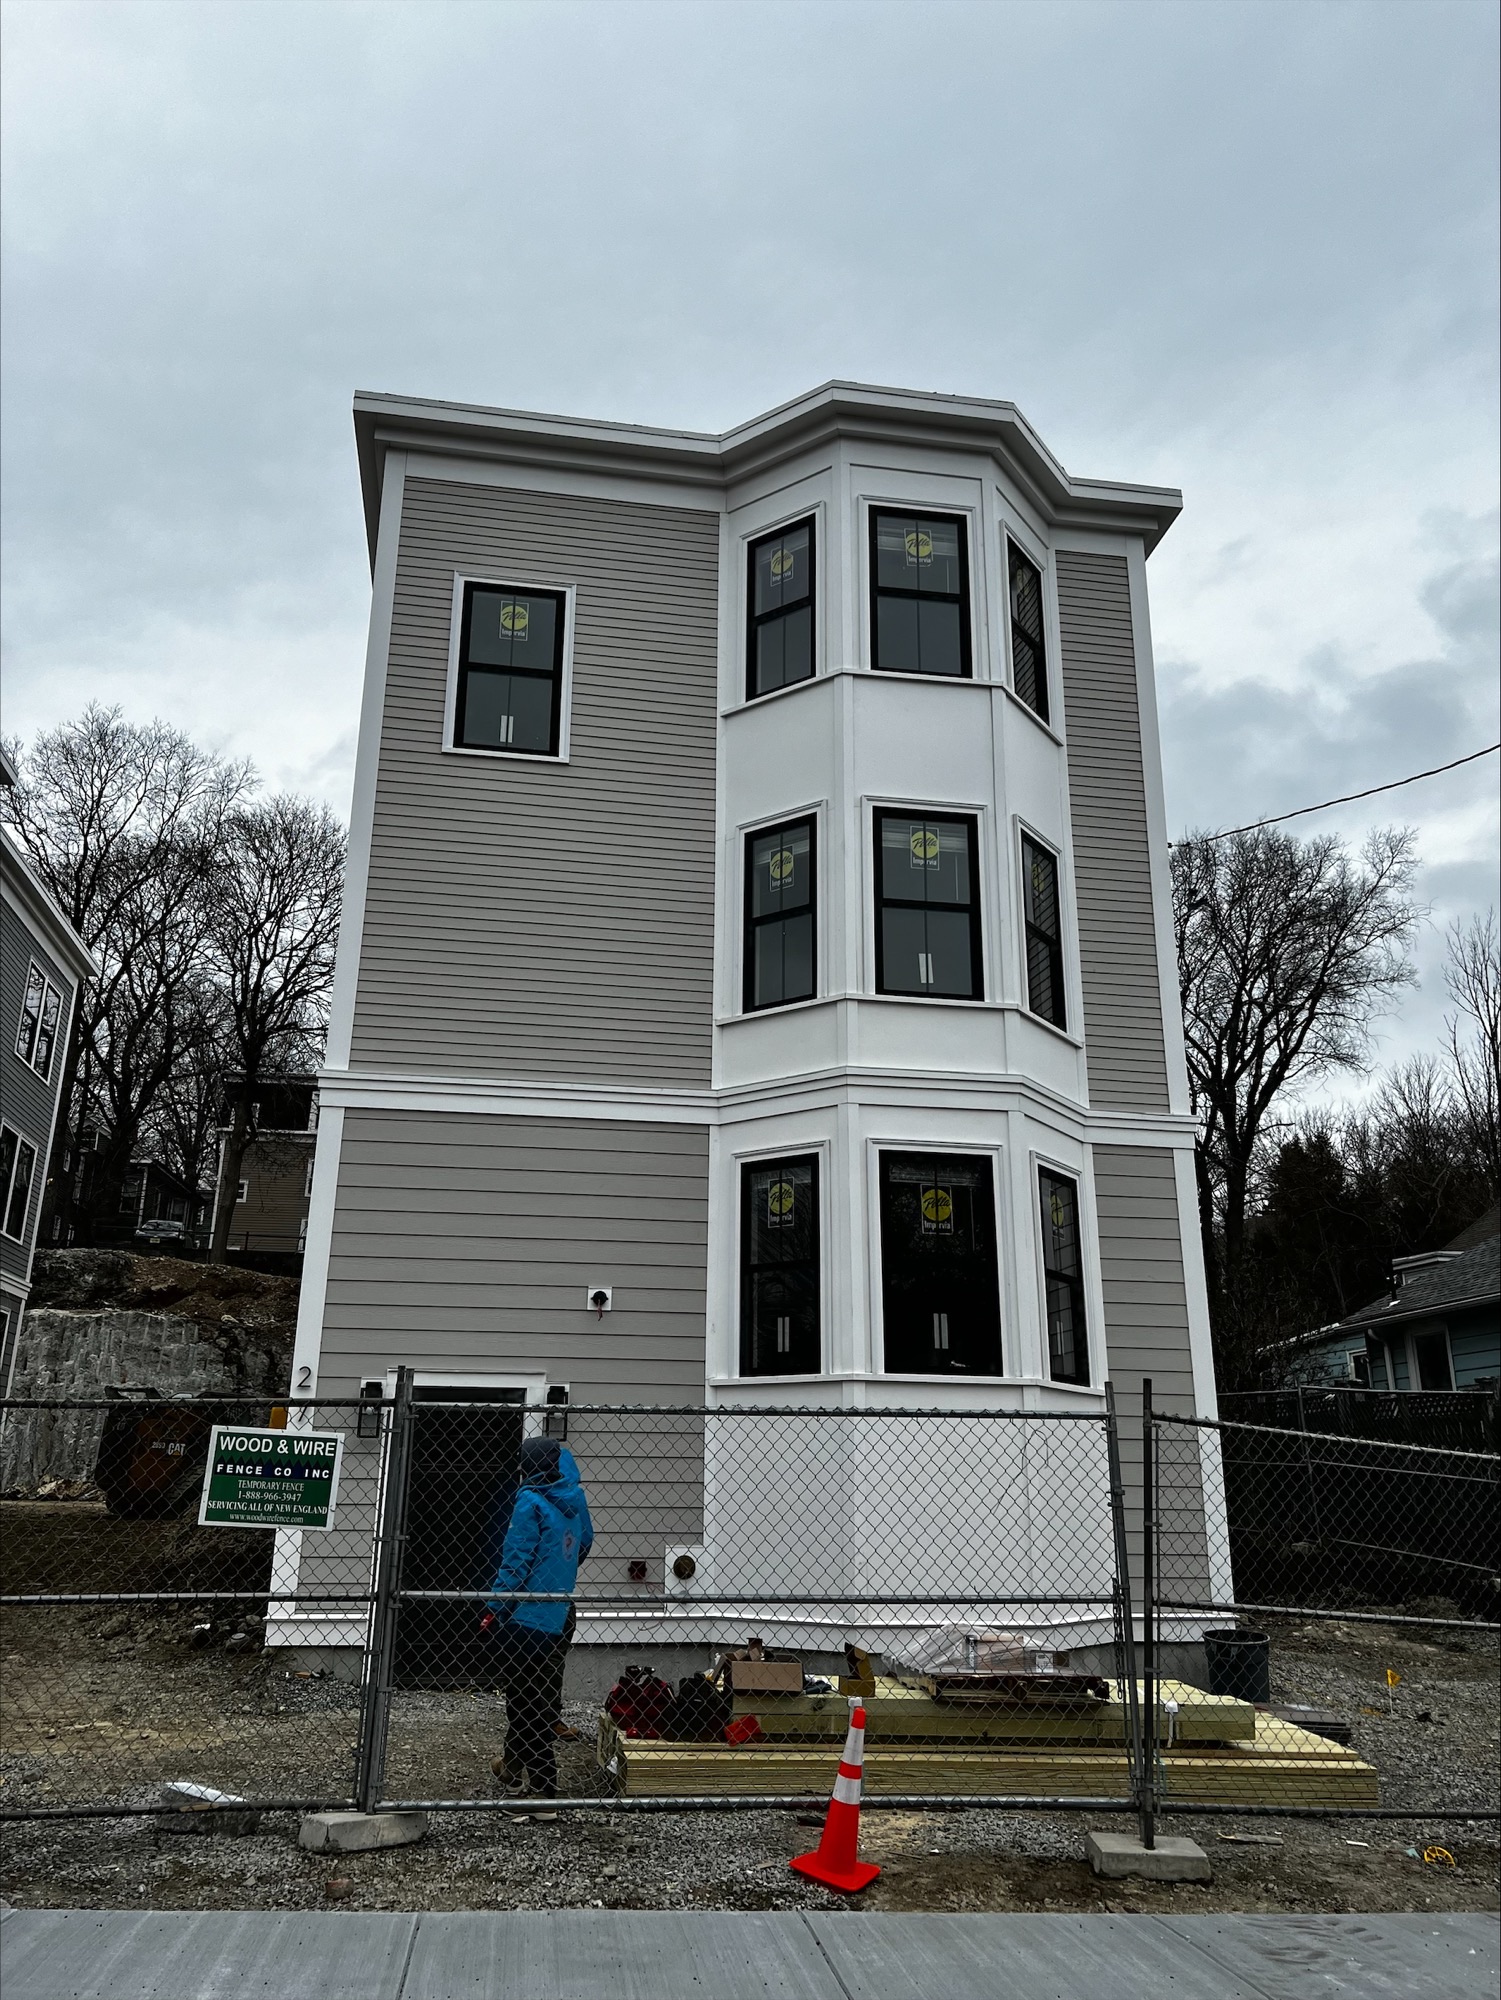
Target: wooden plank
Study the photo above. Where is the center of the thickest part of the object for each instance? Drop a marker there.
(898, 1713)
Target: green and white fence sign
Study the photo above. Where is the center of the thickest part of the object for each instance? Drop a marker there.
(270, 1479)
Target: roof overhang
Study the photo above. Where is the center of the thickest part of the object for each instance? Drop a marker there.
(837, 410)
(22, 888)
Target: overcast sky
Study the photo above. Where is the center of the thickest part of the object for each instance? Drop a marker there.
(1248, 250)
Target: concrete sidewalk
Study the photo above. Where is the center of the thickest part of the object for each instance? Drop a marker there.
(649, 1955)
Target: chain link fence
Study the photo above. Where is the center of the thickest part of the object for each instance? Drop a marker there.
(454, 1601)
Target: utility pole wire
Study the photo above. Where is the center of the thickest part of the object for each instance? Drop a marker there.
(1345, 798)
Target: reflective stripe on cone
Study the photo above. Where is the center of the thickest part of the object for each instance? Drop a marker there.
(835, 1862)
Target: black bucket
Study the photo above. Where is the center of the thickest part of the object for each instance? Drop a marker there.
(1240, 1664)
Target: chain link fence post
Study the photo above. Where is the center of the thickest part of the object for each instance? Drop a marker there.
(1125, 1623)
(1149, 1587)
(380, 1638)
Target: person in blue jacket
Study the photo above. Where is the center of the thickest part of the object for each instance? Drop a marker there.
(549, 1535)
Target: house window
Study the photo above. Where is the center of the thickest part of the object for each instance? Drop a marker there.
(41, 1010)
(510, 691)
(779, 1312)
(780, 623)
(1044, 933)
(1358, 1366)
(1430, 1351)
(919, 582)
(940, 1283)
(1029, 672)
(17, 1167)
(242, 1191)
(1378, 1363)
(928, 907)
(780, 946)
(1063, 1278)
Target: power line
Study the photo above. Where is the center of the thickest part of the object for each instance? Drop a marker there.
(1345, 798)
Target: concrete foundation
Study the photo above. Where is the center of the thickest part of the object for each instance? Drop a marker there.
(1173, 1859)
(359, 1833)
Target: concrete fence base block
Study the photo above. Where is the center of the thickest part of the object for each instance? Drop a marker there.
(358, 1833)
(1173, 1859)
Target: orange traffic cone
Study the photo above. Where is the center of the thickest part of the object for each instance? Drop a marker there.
(835, 1863)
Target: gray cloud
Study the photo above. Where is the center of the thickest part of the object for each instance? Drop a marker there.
(1244, 248)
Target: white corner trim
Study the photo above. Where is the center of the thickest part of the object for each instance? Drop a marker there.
(307, 1348)
(1195, 1285)
(1157, 851)
(366, 768)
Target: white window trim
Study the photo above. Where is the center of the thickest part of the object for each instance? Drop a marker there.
(982, 661)
(991, 963)
(1039, 1163)
(1073, 992)
(875, 1274)
(519, 584)
(58, 1027)
(10, 1180)
(787, 1149)
(817, 512)
(817, 812)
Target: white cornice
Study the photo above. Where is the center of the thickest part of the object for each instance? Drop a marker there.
(34, 904)
(825, 415)
(499, 1097)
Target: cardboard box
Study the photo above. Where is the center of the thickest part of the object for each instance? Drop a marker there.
(766, 1677)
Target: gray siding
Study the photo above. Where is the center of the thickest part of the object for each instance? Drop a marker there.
(465, 1242)
(542, 919)
(1117, 937)
(1146, 1336)
(25, 1101)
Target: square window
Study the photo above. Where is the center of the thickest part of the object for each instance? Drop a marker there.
(919, 583)
(940, 1280)
(1029, 670)
(780, 914)
(779, 624)
(510, 685)
(1044, 931)
(928, 906)
(779, 1268)
(1063, 1278)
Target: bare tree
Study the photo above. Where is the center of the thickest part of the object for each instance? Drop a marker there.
(120, 822)
(1286, 951)
(1473, 976)
(273, 924)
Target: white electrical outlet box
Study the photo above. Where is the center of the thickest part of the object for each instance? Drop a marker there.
(599, 1298)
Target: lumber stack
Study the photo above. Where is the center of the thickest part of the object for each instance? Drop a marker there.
(1224, 1753)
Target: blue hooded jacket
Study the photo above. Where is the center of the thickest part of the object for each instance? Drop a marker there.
(549, 1535)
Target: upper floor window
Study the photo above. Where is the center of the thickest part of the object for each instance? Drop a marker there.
(780, 623)
(1029, 669)
(919, 578)
(41, 1010)
(779, 1282)
(780, 942)
(928, 907)
(510, 686)
(17, 1169)
(1063, 1278)
(1044, 933)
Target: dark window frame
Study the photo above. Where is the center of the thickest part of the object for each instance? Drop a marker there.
(465, 665)
(883, 902)
(987, 1163)
(19, 1145)
(1030, 843)
(752, 923)
(962, 597)
(1073, 1280)
(747, 1267)
(756, 621)
(37, 1033)
(1041, 708)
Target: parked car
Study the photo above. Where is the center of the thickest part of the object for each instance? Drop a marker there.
(161, 1230)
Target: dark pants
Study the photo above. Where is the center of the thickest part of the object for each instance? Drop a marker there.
(530, 1665)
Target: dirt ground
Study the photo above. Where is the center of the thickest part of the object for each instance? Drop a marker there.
(103, 1704)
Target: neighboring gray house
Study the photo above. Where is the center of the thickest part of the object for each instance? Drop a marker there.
(758, 913)
(42, 962)
(1439, 1327)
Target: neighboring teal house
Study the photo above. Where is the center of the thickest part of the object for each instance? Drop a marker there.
(1438, 1328)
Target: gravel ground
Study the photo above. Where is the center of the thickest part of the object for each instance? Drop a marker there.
(104, 1705)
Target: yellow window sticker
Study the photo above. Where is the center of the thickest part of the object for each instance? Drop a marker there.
(924, 845)
(783, 563)
(783, 862)
(781, 1199)
(937, 1210)
(919, 545)
(514, 620)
